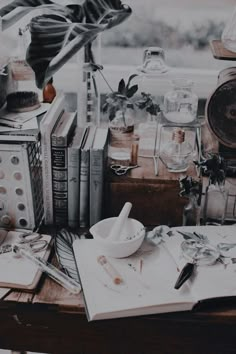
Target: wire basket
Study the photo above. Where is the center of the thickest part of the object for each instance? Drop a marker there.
(21, 185)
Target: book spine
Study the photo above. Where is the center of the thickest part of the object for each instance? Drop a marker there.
(84, 189)
(59, 184)
(73, 186)
(96, 185)
(46, 127)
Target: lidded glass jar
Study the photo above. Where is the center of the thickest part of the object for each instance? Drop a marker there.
(177, 154)
(180, 104)
(154, 61)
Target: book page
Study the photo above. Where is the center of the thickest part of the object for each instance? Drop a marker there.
(147, 287)
(216, 279)
(19, 272)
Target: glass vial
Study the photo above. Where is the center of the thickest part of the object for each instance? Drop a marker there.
(177, 154)
(192, 212)
(180, 103)
(148, 133)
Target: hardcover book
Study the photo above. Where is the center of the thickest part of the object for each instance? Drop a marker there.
(148, 277)
(59, 141)
(98, 159)
(84, 177)
(73, 153)
(46, 126)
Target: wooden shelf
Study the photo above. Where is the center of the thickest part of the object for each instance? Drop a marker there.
(220, 52)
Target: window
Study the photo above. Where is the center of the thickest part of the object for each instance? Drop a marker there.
(182, 28)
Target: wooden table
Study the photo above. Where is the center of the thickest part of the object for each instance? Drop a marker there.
(54, 321)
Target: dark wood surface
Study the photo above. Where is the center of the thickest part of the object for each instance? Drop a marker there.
(54, 321)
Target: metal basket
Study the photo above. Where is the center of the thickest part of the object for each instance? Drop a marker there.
(21, 185)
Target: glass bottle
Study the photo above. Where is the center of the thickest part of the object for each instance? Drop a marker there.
(148, 131)
(228, 36)
(215, 205)
(21, 71)
(152, 74)
(180, 103)
(177, 154)
(22, 74)
(192, 211)
(121, 134)
(154, 61)
(49, 92)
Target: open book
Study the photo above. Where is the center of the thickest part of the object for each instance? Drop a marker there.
(147, 278)
(19, 272)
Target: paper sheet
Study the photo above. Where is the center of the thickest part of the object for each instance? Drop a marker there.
(28, 125)
(23, 116)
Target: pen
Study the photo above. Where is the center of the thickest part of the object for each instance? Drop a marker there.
(60, 277)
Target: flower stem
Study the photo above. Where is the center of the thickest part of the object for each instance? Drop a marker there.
(105, 80)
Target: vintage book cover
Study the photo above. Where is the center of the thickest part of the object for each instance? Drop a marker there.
(46, 127)
(98, 159)
(59, 141)
(149, 276)
(73, 153)
(84, 177)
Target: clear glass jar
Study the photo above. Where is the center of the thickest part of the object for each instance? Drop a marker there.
(121, 132)
(215, 204)
(181, 103)
(228, 36)
(154, 61)
(22, 74)
(148, 135)
(177, 154)
(153, 75)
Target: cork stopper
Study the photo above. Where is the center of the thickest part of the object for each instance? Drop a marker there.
(178, 135)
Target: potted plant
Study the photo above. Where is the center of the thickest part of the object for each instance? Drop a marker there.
(68, 29)
(148, 103)
(119, 107)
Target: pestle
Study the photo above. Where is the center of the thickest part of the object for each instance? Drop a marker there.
(116, 229)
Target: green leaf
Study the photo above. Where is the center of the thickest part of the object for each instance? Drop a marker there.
(55, 40)
(105, 107)
(121, 87)
(129, 80)
(132, 90)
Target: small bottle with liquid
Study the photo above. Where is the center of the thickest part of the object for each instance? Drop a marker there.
(177, 154)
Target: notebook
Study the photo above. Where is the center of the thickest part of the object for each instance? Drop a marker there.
(144, 283)
(19, 272)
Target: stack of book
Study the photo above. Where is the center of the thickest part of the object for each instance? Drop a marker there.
(73, 161)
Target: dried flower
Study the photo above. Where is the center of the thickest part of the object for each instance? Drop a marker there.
(147, 102)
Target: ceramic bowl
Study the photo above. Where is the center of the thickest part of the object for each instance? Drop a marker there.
(130, 240)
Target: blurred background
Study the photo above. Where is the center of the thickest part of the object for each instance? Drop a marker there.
(183, 28)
